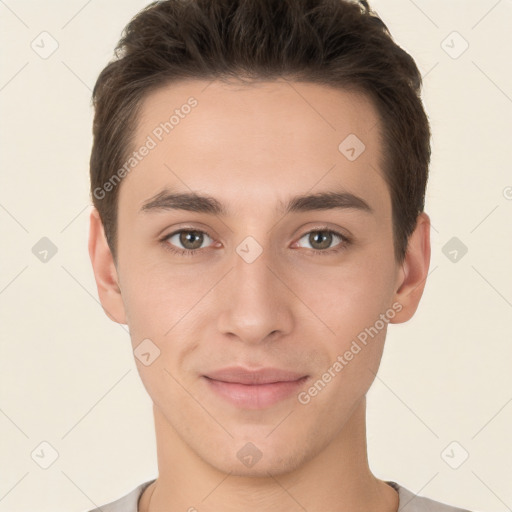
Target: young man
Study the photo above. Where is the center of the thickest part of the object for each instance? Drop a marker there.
(258, 175)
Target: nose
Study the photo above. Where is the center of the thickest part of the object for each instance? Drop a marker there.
(255, 304)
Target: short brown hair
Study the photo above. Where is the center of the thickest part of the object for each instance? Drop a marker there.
(337, 43)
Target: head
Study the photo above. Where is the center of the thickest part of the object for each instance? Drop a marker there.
(288, 143)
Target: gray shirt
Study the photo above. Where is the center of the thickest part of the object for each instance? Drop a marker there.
(407, 501)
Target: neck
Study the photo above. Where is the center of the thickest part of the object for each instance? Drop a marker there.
(337, 478)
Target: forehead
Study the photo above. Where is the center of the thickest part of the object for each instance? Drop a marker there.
(256, 143)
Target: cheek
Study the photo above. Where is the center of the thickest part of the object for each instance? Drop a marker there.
(348, 298)
(159, 299)
(161, 307)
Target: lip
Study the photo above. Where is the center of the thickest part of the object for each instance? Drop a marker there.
(254, 389)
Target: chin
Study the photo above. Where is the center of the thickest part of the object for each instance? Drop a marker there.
(246, 459)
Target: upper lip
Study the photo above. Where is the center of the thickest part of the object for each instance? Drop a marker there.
(241, 375)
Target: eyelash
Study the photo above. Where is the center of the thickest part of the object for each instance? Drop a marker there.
(345, 242)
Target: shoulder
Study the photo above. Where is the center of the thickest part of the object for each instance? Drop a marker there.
(128, 503)
(410, 502)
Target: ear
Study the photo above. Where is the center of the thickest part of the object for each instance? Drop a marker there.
(413, 273)
(105, 272)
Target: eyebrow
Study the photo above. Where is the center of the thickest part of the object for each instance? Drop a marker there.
(193, 202)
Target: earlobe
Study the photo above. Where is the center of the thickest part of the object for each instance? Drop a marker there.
(105, 272)
(414, 270)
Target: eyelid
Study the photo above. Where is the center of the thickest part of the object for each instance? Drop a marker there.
(322, 227)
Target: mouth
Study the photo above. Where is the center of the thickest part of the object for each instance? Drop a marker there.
(256, 389)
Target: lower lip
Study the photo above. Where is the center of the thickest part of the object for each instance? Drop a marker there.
(255, 396)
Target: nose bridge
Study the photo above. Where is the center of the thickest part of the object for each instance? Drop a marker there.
(251, 272)
(253, 302)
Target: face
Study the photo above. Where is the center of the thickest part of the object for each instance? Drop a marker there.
(253, 274)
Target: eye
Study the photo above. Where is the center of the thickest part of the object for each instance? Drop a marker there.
(320, 241)
(186, 241)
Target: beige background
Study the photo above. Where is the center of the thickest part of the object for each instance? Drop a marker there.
(67, 373)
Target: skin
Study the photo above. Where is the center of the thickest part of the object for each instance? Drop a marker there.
(251, 147)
